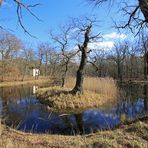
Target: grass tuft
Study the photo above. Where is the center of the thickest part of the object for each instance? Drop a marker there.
(58, 98)
(118, 138)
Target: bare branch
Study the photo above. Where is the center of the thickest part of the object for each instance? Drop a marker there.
(21, 5)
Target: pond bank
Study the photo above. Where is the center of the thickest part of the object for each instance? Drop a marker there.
(31, 81)
(57, 98)
(131, 134)
(135, 81)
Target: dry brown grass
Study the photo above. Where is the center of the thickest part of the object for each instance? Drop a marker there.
(59, 99)
(122, 137)
(26, 81)
(106, 86)
(97, 92)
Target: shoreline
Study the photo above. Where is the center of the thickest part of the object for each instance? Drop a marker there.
(130, 134)
(31, 81)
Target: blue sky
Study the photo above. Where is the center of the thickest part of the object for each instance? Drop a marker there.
(55, 13)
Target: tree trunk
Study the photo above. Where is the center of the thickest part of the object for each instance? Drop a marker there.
(65, 73)
(145, 97)
(3, 67)
(119, 71)
(145, 69)
(143, 4)
(3, 70)
(24, 73)
(78, 89)
(46, 69)
(145, 66)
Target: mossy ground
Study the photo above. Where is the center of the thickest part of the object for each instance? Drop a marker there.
(58, 98)
(133, 135)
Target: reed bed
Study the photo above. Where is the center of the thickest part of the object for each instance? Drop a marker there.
(106, 86)
(97, 92)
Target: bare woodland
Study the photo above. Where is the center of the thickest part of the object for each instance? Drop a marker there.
(71, 56)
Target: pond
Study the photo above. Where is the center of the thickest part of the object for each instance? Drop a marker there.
(20, 109)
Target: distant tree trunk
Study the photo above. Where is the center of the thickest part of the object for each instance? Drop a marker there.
(100, 70)
(119, 70)
(3, 68)
(145, 97)
(78, 89)
(24, 73)
(65, 73)
(46, 62)
(145, 65)
(46, 69)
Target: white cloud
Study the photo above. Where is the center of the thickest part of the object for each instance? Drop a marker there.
(6, 4)
(115, 35)
(106, 45)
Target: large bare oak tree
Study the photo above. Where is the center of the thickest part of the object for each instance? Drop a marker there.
(84, 27)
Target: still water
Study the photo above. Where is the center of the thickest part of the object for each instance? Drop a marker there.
(20, 109)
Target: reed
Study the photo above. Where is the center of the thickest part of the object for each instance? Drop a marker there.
(106, 86)
(0, 127)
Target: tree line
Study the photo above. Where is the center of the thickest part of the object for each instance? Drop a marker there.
(123, 61)
(66, 56)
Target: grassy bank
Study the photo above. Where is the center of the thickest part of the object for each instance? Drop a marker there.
(97, 92)
(134, 134)
(30, 81)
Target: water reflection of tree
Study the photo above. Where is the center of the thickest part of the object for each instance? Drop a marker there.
(79, 122)
(76, 126)
(145, 96)
(129, 98)
(12, 110)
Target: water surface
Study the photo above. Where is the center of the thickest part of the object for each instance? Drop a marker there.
(20, 109)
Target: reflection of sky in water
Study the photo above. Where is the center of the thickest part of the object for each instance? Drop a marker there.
(94, 119)
(26, 113)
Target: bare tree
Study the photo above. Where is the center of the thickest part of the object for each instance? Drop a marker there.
(62, 42)
(27, 55)
(20, 6)
(144, 50)
(85, 27)
(97, 61)
(133, 12)
(9, 44)
(119, 54)
(41, 50)
(46, 56)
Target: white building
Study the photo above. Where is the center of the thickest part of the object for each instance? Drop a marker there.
(35, 72)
